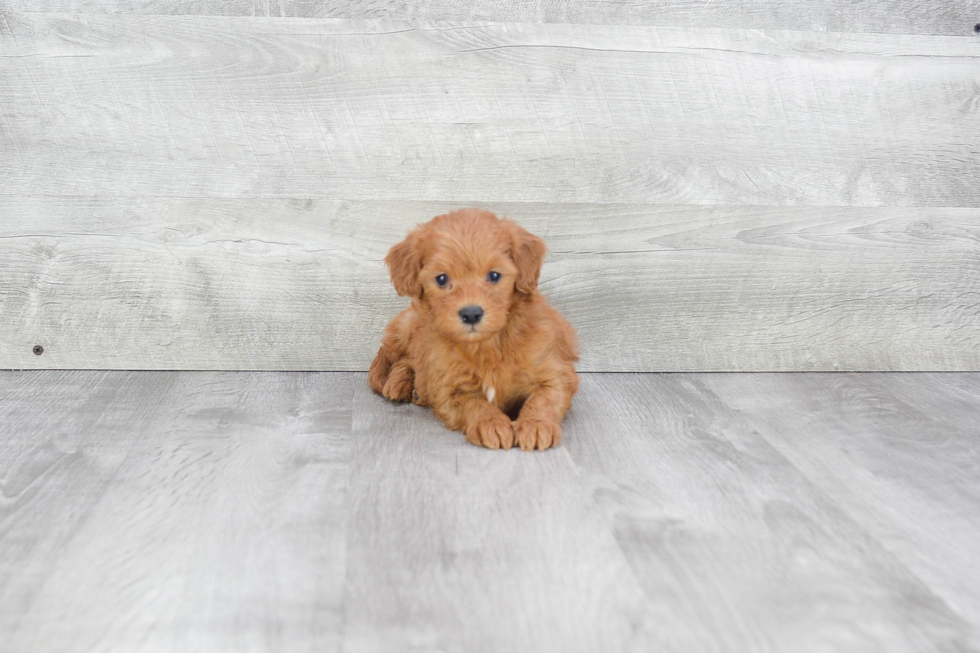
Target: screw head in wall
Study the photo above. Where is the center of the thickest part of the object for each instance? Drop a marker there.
(38, 350)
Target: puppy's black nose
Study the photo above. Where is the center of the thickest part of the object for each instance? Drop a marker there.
(471, 314)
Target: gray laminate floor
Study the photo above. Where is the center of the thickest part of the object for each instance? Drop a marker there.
(207, 511)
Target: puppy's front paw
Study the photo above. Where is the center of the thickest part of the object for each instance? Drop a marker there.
(493, 433)
(533, 433)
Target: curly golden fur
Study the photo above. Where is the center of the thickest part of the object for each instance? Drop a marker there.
(479, 344)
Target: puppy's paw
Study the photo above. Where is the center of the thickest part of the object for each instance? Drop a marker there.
(533, 433)
(399, 387)
(494, 433)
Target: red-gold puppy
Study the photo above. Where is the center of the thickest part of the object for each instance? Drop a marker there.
(479, 344)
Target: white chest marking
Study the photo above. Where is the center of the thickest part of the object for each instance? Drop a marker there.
(490, 393)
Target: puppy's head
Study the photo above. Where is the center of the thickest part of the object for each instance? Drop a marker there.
(467, 267)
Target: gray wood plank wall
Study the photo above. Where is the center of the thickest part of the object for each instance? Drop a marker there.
(894, 16)
(748, 193)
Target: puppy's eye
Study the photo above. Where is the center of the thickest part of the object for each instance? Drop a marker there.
(442, 280)
(494, 276)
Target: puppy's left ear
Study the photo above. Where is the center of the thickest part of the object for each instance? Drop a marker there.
(528, 253)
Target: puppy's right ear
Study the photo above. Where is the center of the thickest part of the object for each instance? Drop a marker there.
(404, 262)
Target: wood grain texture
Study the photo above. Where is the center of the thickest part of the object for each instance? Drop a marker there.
(476, 552)
(299, 283)
(904, 16)
(193, 192)
(184, 511)
(899, 454)
(134, 105)
(725, 532)
(154, 511)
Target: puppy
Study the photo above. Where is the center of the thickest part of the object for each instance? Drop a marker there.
(479, 344)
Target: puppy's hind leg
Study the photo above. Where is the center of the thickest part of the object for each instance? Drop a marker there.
(391, 376)
(394, 349)
(400, 383)
(381, 368)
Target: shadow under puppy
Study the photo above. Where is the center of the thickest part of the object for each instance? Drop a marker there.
(479, 344)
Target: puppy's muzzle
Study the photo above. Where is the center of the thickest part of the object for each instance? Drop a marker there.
(471, 314)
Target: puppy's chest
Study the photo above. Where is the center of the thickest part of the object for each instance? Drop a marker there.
(501, 386)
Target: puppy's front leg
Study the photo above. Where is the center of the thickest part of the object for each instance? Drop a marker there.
(482, 422)
(539, 424)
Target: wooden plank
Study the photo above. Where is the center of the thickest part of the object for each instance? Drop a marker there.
(902, 16)
(663, 522)
(299, 283)
(458, 548)
(63, 438)
(898, 454)
(277, 512)
(735, 548)
(137, 105)
(156, 511)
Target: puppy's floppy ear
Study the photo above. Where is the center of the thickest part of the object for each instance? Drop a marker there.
(404, 262)
(528, 253)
